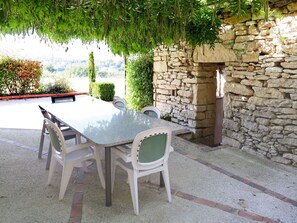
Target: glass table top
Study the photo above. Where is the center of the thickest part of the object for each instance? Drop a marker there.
(102, 123)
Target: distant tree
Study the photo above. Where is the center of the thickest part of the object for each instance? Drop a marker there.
(103, 74)
(50, 68)
(91, 71)
(78, 71)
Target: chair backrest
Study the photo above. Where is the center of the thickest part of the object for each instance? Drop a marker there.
(151, 148)
(57, 138)
(119, 103)
(44, 113)
(151, 111)
(47, 115)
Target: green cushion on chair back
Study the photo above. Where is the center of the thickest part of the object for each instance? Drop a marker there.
(152, 148)
(54, 139)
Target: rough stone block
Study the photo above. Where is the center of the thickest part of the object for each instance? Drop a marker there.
(160, 66)
(263, 121)
(227, 35)
(235, 135)
(220, 53)
(253, 57)
(252, 83)
(205, 94)
(187, 94)
(176, 82)
(280, 159)
(230, 124)
(164, 107)
(274, 70)
(164, 91)
(293, 96)
(201, 115)
(268, 92)
(190, 80)
(292, 6)
(238, 89)
(288, 141)
(290, 71)
(252, 126)
(252, 30)
(205, 123)
(290, 49)
(240, 46)
(290, 59)
(232, 142)
(289, 65)
(282, 83)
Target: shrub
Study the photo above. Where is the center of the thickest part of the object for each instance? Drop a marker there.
(60, 85)
(104, 91)
(140, 81)
(19, 76)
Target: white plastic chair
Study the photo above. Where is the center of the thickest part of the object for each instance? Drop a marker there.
(68, 157)
(151, 111)
(68, 134)
(119, 103)
(149, 154)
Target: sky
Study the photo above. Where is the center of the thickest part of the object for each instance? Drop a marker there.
(32, 47)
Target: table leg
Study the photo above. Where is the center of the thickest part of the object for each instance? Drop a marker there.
(107, 177)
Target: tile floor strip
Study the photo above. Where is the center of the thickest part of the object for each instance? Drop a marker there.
(77, 200)
(240, 179)
(224, 207)
(11, 142)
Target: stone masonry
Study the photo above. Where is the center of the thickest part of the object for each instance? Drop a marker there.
(260, 102)
(185, 89)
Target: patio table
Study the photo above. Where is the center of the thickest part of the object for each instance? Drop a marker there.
(106, 126)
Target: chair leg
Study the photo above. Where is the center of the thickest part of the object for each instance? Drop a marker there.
(77, 138)
(132, 175)
(84, 166)
(165, 174)
(66, 174)
(49, 156)
(41, 141)
(99, 168)
(52, 170)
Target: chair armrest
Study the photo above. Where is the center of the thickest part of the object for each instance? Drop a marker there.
(123, 152)
(79, 146)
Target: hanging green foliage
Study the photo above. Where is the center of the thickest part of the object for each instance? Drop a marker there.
(128, 26)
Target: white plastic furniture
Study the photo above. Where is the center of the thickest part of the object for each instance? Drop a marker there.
(68, 134)
(68, 157)
(119, 103)
(149, 154)
(151, 111)
(106, 127)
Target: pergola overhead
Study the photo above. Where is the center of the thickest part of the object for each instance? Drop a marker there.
(128, 26)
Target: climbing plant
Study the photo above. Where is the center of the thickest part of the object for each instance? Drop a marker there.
(128, 26)
(140, 81)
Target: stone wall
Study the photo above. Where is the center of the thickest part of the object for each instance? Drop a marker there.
(185, 89)
(261, 90)
(260, 103)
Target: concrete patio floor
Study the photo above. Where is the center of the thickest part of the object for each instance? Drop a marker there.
(209, 185)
